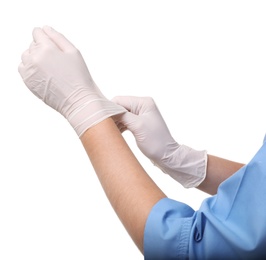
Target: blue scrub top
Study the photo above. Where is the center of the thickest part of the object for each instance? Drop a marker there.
(229, 225)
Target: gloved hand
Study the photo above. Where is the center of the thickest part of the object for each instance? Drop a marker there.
(143, 119)
(54, 70)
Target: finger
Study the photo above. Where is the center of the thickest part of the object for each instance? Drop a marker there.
(121, 127)
(135, 105)
(126, 121)
(25, 57)
(125, 101)
(32, 46)
(40, 36)
(21, 69)
(117, 120)
(59, 39)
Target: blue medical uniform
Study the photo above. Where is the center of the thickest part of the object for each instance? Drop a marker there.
(229, 225)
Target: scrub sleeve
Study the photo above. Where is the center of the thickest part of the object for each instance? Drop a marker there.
(228, 225)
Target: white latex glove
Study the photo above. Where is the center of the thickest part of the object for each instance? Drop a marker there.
(184, 164)
(54, 70)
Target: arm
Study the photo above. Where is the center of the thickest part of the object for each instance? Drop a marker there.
(218, 170)
(54, 70)
(189, 167)
(131, 192)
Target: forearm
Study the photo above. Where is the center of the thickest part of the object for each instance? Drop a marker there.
(218, 170)
(130, 190)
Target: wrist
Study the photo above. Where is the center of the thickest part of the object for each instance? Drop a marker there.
(91, 110)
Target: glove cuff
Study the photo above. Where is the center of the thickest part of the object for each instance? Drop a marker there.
(93, 112)
(185, 165)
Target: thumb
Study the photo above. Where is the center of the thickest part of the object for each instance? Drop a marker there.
(135, 105)
(39, 36)
(128, 120)
(125, 101)
(125, 121)
(59, 39)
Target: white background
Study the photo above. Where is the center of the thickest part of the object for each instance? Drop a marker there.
(203, 62)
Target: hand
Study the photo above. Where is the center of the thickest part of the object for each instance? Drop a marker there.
(144, 120)
(54, 70)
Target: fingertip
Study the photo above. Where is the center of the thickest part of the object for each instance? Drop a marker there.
(114, 99)
(35, 31)
(21, 69)
(32, 45)
(38, 34)
(36, 28)
(58, 38)
(24, 56)
(124, 101)
(20, 65)
(117, 99)
(48, 29)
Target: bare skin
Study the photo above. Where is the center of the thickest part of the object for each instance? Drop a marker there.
(218, 170)
(130, 190)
